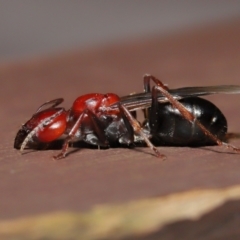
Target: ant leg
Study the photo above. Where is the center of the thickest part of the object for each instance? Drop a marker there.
(137, 129)
(146, 82)
(148, 112)
(70, 136)
(95, 126)
(185, 113)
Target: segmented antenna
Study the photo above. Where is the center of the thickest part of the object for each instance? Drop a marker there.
(40, 126)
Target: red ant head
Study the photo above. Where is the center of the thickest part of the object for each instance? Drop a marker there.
(45, 126)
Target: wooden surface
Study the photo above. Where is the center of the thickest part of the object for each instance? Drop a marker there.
(33, 184)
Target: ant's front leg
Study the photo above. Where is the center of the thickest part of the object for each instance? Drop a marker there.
(93, 123)
(184, 112)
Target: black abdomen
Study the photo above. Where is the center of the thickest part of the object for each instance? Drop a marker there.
(173, 129)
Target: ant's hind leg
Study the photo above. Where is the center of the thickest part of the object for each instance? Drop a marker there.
(146, 82)
(185, 113)
(152, 113)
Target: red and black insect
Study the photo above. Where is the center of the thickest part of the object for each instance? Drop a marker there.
(173, 117)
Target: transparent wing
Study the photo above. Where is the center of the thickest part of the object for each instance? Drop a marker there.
(143, 100)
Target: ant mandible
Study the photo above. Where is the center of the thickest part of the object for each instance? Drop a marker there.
(105, 119)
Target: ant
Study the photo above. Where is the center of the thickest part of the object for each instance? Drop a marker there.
(173, 117)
